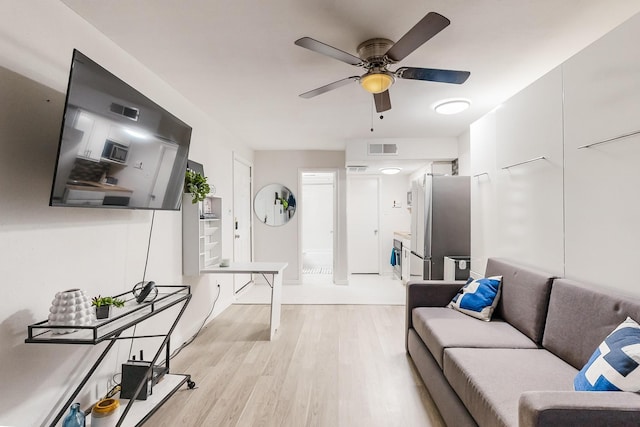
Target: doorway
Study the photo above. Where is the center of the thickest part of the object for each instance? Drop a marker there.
(317, 221)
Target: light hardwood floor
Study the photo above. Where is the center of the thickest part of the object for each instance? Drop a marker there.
(330, 365)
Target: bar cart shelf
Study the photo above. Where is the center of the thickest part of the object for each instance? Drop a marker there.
(110, 330)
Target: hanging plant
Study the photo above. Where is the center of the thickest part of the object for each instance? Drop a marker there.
(196, 184)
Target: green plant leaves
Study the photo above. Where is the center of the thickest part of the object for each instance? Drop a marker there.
(196, 184)
(100, 301)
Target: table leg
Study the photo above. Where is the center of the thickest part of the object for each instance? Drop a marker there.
(276, 303)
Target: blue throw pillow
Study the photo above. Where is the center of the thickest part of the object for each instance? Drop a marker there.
(614, 366)
(478, 298)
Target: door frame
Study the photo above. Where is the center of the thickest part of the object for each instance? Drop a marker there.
(335, 173)
(249, 164)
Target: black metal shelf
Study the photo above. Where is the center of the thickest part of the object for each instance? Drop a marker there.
(110, 330)
(105, 329)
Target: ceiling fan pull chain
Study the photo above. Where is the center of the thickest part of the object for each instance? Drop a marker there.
(372, 102)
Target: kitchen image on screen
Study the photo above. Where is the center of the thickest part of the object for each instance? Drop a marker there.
(118, 149)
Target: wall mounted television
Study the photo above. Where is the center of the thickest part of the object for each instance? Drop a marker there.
(117, 149)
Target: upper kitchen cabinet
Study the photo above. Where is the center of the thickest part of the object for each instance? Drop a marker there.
(94, 132)
(602, 105)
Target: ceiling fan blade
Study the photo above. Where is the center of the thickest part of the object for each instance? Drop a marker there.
(325, 49)
(433, 75)
(428, 27)
(327, 88)
(383, 101)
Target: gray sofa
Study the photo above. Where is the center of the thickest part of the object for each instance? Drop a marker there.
(517, 369)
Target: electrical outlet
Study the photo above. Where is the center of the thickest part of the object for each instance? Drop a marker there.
(138, 165)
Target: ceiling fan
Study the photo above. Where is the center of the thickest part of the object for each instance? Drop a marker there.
(375, 56)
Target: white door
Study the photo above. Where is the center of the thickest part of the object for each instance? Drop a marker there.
(317, 222)
(241, 218)
(362, 213)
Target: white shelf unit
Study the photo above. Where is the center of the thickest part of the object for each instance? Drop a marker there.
(201, 234)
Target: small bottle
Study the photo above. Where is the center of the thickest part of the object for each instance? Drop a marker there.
(75, 418)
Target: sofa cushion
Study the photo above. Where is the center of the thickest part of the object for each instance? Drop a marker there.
(524, 298)
(442, 328)
(490, 381)
(573, 329)
(478, 298)
(614, 366)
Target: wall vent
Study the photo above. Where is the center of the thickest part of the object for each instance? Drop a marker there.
(356, 169)
(128, 112)
(383, 149)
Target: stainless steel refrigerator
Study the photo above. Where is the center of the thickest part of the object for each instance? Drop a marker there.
(440, 223)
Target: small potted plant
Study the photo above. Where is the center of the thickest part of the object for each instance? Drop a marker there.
(103, 305)
(196, 185)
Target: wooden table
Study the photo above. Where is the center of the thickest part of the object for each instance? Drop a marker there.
(274, 269)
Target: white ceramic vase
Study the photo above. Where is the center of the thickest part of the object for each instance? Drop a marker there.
(70, 308)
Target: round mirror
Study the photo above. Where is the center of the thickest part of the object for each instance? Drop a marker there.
(274, 205)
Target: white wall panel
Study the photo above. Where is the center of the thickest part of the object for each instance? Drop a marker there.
(602, 101)
(517, 209)
(530, 195)
(483, 175)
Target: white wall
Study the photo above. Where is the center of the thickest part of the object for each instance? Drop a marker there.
(45, 250)
(281, 243)
(430, 149)
(574, 213)
(602, 101)
(464, 153)
(519, 198)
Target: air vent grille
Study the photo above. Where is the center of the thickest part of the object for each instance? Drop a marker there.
(356, 169)
(383, 149)
(128, 112)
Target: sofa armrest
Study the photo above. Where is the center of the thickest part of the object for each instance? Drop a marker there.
(578, 408)
(430, 293)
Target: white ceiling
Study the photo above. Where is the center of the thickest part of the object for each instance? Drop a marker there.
(236, 60)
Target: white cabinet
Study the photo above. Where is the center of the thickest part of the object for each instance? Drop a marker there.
(602, 102)
(95, 133)
(201, 234)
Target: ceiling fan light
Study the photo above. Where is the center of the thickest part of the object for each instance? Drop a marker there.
(452, 106)
(376, 82)
(390, 170)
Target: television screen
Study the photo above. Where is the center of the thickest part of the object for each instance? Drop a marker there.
(118, 149)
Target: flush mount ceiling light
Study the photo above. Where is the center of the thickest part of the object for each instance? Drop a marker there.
(376, 82)
(451, 106)
(390, 171)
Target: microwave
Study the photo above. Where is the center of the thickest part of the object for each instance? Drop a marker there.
(115, 152)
